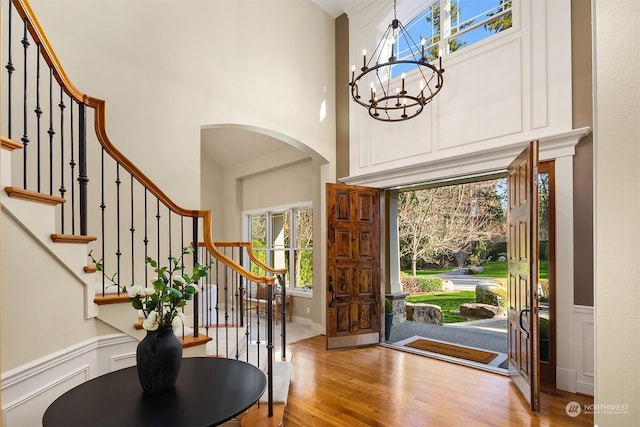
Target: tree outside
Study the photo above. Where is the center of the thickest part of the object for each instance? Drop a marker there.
(438, 226)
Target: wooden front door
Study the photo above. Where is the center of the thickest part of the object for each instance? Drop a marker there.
(353, 289)
(522, 250)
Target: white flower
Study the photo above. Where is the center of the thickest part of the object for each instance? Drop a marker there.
(179, 280)
(178, 320)
(149, 291)
(134, 291)
(152, 322)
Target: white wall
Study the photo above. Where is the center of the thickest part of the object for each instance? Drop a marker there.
(167, 68)
(281, 187)
(617, 209)
(498, 94)
(502, 91)
(43, 304)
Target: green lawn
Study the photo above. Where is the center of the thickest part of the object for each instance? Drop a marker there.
(499, 269)
(449, 302)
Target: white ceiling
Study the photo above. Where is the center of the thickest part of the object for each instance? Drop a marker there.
(230, 146)
(336, 7)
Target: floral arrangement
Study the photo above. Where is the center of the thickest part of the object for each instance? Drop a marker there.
(170, 291)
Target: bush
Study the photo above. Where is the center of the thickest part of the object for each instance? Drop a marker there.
(388, 306)
(492, 293)
(417, 284)
(544, 328)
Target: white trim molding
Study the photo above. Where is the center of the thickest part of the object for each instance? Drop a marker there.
(584, 327)
(28, 390)
(490, 159)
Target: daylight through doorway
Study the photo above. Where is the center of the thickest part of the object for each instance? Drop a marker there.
(452, 238)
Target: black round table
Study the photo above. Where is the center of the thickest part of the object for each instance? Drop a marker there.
(209, 391)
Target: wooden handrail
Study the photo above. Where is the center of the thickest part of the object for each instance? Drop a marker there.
(252, 256)
(26, 13)
(99, 106)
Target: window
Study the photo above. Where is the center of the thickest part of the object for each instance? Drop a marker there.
(284, 239)
(469, 21)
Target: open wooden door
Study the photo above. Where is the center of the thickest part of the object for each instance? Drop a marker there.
(522, 250)
(353, 301)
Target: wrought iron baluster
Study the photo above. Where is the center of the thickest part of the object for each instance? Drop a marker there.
(118, 251)
(169, 236)
(217, 329)
(132, 229)
(62, 190)
(83, 178)
(51, 132)
(102, 225)
(10, 69)
(38, 111)
(146, 235)
(158, 225)
(25, 136)
(72, 166)
(283, 306)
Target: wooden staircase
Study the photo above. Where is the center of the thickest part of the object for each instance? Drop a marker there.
(91, 167)
(19, 202)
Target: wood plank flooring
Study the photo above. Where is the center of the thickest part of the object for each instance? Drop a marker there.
(378, 386)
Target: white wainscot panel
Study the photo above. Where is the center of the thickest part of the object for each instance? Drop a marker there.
(481, 97)
(584, 331)
(402, 140)
(28, 390)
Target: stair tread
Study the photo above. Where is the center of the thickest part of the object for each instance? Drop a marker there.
(281, 380)
(111, 299)
(258, 415)
(33, 196)
(10, 145)
(72, 238)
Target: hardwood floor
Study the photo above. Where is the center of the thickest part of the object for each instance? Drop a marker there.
(378, 386)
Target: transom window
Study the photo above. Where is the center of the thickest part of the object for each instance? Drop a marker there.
(464, 23)
(284, 239)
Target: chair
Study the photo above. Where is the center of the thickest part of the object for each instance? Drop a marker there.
(259, 298)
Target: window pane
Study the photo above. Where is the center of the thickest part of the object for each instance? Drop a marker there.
(476, 20)
(304, 269)
(304, 228)
(259, 231)
(280, 225)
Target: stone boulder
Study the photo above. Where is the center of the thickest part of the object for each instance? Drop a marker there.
(492, 293)
(480, 311)
(425, 313)
(448, 286)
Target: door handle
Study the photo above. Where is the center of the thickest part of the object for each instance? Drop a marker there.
(333, 294)
(521, 325)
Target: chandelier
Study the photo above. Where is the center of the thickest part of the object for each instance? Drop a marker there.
(399, 101)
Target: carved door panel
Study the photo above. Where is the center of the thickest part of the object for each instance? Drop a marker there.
(353, 266)
(522, 252)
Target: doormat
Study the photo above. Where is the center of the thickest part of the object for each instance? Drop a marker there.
(452, 350)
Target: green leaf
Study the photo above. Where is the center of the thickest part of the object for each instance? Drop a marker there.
(136, 303)
(152, 262)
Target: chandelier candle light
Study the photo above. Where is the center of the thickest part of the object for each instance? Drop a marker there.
(390, 104)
